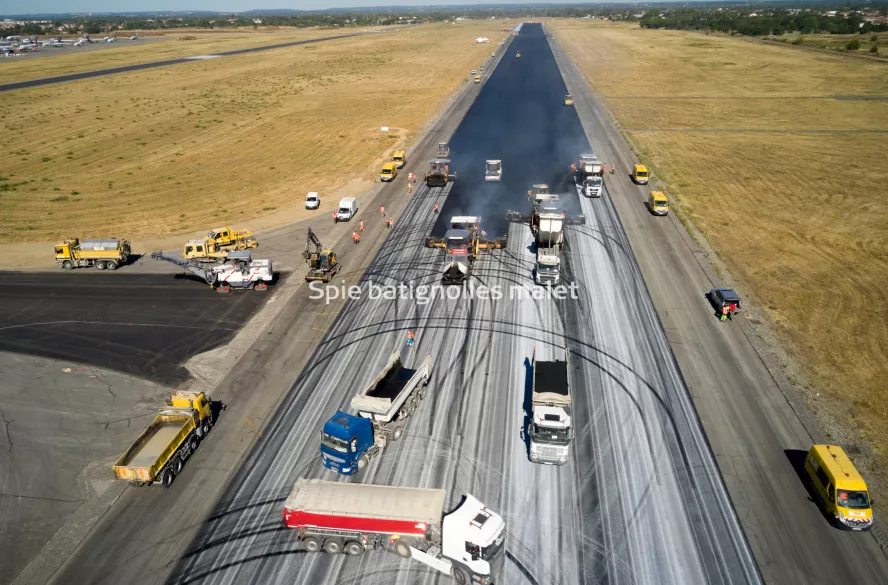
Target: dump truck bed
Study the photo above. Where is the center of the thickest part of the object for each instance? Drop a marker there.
(388, 390)
(151, 451)
(550, 383)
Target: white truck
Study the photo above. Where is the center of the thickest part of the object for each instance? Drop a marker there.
(494, 170)
(348, 442)
(588, 166)
(549, 242)
(335, 517)
(549, 430)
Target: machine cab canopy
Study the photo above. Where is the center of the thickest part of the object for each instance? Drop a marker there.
(463, 222)
(540, 189)
(494, 165)
(456, 238)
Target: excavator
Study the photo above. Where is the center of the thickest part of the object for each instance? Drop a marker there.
(238, 271)
(462, 243)
(322, 264)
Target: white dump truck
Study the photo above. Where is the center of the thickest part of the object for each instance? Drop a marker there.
(549, 430)
(591, 187)
(493, 170)
(467, 543)
(348, 442)
(549, 242)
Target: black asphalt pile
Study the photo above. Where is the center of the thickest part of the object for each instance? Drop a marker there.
(140, 324)
(520, 107)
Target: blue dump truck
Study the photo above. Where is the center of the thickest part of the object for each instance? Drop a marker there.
(348, 441)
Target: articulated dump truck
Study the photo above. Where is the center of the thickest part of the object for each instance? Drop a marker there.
(159, 454)
(335, 517)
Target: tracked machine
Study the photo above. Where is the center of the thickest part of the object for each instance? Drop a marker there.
(238, 271)
(439, 173)
(322, 264)
(462, 243)
(443, 150)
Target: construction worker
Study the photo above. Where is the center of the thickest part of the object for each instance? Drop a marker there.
(362, 225)
(573, 167)
(613, 168)
(435, 208)
(447, 169)
(335, 216)
(724, 314)
(732, 309)
(411, 337)
(390, 221)
(483, 233)
(356, 237)
(382, 210)
(410, 187)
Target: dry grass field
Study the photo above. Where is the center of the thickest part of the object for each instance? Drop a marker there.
(778, 156)
(52, 61)
(172, 150)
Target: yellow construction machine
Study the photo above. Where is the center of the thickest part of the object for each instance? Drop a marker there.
(204, 251)
(226, 237)
(322, 264)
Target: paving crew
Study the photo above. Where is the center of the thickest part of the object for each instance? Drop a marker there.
(447, 169)
(356, 237)
(724, 314)
(410, 187)
(335, 216)
(382, 210)
(362, 225)
(435, 207)
(411, 337)
(390, 221)
(573, 167)
(613, 169)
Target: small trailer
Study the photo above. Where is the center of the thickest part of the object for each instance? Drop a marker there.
(335, 517)
(349, 442)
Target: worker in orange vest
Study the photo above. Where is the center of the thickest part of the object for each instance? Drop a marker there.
(435, 207)
(613, 169)
(410, 187)
(356, 237)
(411, 337)
(335, 216)
(362, 225)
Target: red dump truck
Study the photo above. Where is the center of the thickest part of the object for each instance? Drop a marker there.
(337, 517)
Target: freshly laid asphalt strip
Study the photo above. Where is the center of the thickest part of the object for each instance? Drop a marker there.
(141, 324)
(155, 64)
(641, 499)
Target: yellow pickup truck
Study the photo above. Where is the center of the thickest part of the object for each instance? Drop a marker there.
(225, 236)
(159, 453)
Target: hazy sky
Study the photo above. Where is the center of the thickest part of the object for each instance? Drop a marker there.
(63, 6)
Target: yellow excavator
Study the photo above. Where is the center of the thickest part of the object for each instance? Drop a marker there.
(322, 264)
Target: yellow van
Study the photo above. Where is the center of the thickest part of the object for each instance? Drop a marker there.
(640, 174)
(477, 79)
(658, 203)
(839, 487)
(399, 158)
(389, 172)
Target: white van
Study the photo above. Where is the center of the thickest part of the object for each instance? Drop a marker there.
(312, 200)
(347, 208)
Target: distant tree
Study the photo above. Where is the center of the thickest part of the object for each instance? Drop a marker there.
(32, 28)
(874, 49)
(853, 45)
(93, 28)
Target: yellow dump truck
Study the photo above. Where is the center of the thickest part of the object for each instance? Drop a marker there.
(158, 454)
(227, 237)
(101, 254)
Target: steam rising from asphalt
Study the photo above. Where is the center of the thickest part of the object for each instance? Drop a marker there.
(527, 110)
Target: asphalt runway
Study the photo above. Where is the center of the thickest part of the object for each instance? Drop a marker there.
(641, 499)
(139, 324)
(153, 65)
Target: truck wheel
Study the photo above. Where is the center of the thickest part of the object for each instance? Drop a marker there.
(363, 461)
(167, 478)
(333, 546)
(99, 265)
(460, 576)
(354, 548)
(111, 265)
(67, 265)
(312, 544)
(178, 464)
(193, 444)
(397, 432)
(402, 550)
(205, 427)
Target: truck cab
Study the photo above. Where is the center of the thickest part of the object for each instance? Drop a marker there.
(344, 441)
(548, 267)
(473, 539)
(592, 187)
(203, 250)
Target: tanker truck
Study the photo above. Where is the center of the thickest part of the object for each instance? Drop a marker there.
(335, 517)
